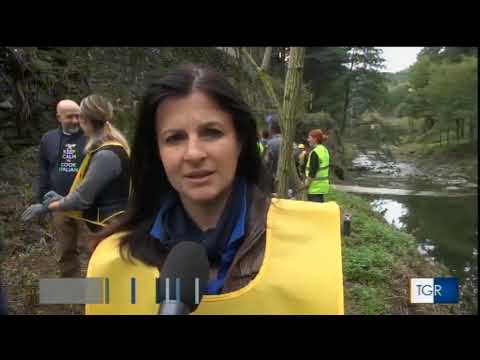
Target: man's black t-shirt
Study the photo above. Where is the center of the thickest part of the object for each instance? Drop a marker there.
(59, 161)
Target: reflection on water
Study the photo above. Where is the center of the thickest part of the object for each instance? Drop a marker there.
(446, 230)
(391, 210)
(440, 212)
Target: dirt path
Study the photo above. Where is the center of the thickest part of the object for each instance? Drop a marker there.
(29, 252)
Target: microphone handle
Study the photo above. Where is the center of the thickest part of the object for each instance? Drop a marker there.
(174, 308)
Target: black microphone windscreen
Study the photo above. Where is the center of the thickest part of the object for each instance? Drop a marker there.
(186, 272)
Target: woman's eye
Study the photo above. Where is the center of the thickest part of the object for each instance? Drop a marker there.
(172, 139)
(213, 133)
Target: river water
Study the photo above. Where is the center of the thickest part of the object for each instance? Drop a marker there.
(440, 213)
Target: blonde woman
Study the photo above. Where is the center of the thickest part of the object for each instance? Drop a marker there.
(100, 190)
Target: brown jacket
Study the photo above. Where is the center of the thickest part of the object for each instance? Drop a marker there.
(249, 257)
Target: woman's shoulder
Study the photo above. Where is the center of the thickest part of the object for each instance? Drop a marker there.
(110, 246)
(111, 251)
(111, 261)
(106, 159)
(105, 153)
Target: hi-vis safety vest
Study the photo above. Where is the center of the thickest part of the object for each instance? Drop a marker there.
(321, 184)
(301, 271)
(260, 147)
(78, 214)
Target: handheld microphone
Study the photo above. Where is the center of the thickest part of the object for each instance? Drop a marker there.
(183, 279)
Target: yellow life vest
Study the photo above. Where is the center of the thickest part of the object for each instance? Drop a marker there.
(301, 271)
(78, 214)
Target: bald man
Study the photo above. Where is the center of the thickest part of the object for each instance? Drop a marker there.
(61, 153)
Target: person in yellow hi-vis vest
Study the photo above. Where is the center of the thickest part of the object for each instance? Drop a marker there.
(260, 148)
(317, 168)
(196, 176)
(100, 190)
(302, 160)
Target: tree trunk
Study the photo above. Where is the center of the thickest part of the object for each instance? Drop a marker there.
(347, 98)
(292, 99)
(239, 74)
(267, 83)
(440, 137)
(448, 135)
(472, 127)
(345, 109)
(267, 57)
(457, 130)
(428, 123)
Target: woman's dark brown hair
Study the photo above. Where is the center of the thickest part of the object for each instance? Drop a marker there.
(149, 181)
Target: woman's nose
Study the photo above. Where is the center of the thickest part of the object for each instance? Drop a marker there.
(194, 151)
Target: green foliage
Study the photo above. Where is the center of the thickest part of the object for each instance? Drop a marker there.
(337, 73)
(125, 121)
(442, 89)
(26, 193)
(451, 54)
(375, 232)
(377, 260)
(419, 75)
(395, 79)
(367, 300)
(369, 92)
(368, 264)
(320, 120)
(325, 70)
(374, 245)
(396, 96)
(452, 90)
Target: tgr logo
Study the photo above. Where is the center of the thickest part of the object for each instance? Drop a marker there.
(434, 291)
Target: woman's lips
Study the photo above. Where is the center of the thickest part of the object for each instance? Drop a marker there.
(198, 177)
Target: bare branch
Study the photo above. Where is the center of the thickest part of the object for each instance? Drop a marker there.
(266, 80)
(266, 59)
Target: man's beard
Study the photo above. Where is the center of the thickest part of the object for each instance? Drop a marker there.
(70, 130)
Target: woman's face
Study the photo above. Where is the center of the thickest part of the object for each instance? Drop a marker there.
(311, 141)
(85, 125)
(198, 147)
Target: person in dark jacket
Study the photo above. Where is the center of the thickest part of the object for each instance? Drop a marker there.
(265, 137)
(274, 144)
(61, 151)
(60, 156)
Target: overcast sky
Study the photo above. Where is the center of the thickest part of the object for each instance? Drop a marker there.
(399, 58)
